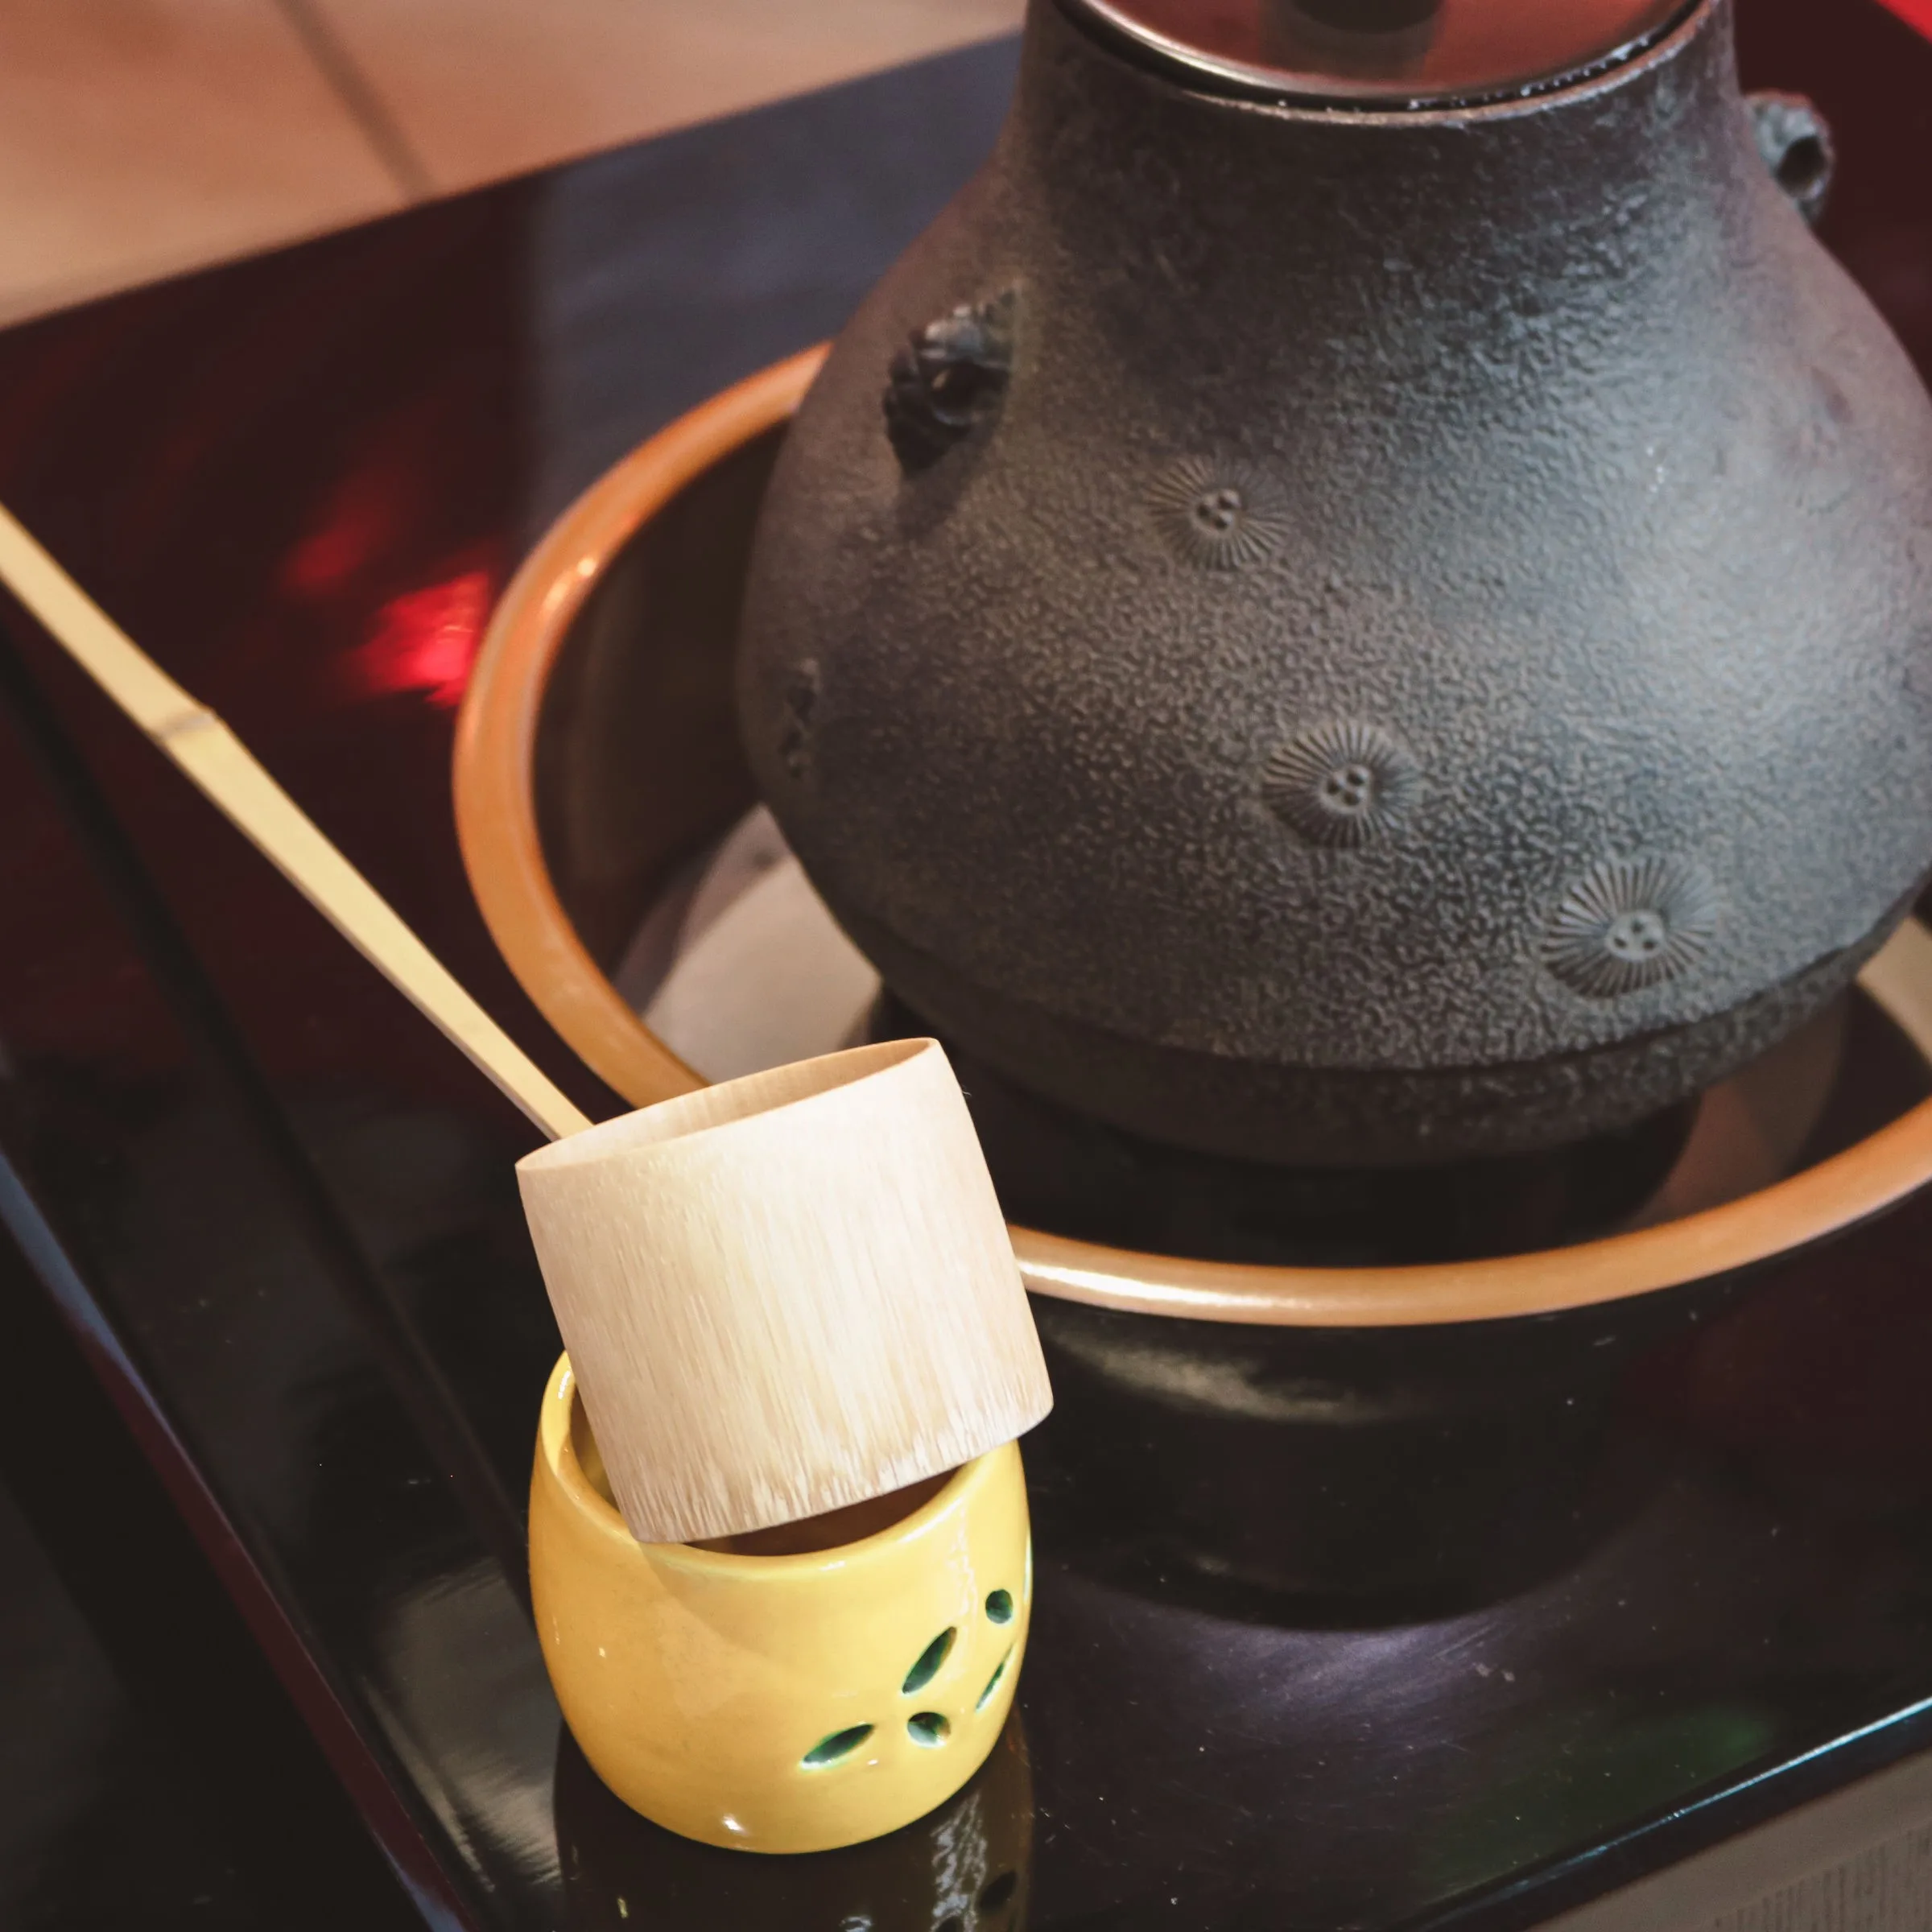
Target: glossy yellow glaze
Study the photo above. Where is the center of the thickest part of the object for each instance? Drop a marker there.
(700, 1684)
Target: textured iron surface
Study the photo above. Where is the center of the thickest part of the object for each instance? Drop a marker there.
(1432, 652)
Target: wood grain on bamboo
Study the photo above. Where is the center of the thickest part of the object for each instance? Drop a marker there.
(787, 1293)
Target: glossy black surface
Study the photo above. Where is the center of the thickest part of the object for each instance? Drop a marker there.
(153, 1772)
(100, 1821)
(1691, 1580)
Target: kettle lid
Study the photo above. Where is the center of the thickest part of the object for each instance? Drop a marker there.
(1381, 53)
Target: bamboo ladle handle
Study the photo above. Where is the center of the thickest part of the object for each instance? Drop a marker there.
(229, 776)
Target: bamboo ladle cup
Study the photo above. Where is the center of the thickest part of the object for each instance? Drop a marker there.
(787, 1295)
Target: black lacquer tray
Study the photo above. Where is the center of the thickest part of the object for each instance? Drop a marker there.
(276, 1216)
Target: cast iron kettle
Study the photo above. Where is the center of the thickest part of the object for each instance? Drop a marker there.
(1387, 615)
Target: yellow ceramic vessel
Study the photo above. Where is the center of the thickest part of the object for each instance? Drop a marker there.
(780, 1704)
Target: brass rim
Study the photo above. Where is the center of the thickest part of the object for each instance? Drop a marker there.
(497, 824)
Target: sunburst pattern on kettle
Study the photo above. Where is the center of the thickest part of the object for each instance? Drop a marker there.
(1344, 784)
(1630, 923)
(1216, 514)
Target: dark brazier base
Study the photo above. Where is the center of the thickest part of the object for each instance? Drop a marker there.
(1840, 1079)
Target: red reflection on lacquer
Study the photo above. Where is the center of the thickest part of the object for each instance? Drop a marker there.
(424, 641)
(364, 518)
(1914, 12)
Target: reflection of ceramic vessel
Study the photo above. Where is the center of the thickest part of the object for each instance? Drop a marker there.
(1365, 637)
(966, 1867)
(780, 1702)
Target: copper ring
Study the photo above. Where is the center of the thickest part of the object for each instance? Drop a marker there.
(497, 824)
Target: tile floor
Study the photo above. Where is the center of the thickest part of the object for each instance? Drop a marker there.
(142, 137)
